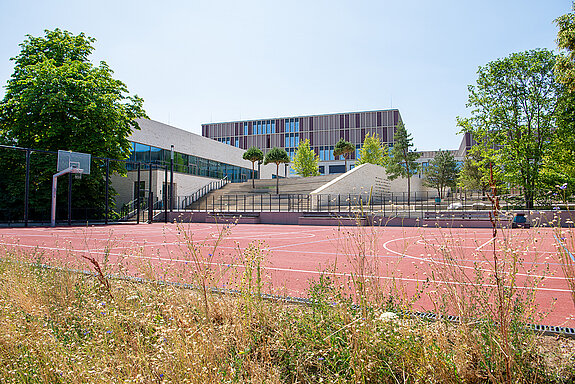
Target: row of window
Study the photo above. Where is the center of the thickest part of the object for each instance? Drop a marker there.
(229, 141)
(189, 164)
(291, 140)
(261, 127)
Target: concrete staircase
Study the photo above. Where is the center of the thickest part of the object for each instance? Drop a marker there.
(236, 196)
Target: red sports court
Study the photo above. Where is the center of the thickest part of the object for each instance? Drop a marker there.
(420, 264)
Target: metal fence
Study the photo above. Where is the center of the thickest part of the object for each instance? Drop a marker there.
(419, 204)
(26, 189)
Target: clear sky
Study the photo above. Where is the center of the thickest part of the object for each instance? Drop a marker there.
(196, 62)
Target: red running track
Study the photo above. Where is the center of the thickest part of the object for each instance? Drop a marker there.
(431, 268)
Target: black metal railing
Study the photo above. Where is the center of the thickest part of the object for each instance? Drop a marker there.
(184, 202)
(418, 205)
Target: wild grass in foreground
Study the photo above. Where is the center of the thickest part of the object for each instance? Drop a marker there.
(62, 327)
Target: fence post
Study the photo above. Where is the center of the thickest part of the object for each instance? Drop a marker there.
(69, 198)
(107, 189)
(150, 197)
(166, 198)
(27, 188)
(138, 195)
(382, 199)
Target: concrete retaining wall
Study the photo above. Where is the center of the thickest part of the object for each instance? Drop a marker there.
(372, 178)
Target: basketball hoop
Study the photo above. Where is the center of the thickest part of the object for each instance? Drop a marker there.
(68, 162)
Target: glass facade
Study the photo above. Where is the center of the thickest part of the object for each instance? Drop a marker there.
(188, 164)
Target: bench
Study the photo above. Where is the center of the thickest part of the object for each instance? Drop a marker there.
(458, 215)
(335, 218)
(233, 217)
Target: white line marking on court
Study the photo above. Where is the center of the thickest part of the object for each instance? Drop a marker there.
(438, 262)
(484, 244)
(123, 255)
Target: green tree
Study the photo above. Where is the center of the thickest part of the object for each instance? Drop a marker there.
(253, 154)
(372, 151)
(277, 156)
(565, 64)
(441, 172)
(57, 99)
(402, 162)
(559, 162)
(343, 148)
(306, 161)
(471, 175)
(512, 117)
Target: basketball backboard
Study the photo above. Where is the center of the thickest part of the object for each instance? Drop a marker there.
(67, 159)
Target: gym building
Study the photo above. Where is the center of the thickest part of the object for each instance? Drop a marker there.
(198, 162)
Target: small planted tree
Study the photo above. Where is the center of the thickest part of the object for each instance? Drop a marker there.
(306, 161)
(442, 172)
(253, 154)
(402, 162)
(343, 148)
(277, 156)
(373, 151)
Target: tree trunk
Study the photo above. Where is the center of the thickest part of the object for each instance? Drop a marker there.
(408, 192)
(528, 195)
(277, 178)
(253, 175)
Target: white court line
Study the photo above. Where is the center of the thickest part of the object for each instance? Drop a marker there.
(484, 244)
(124, 255)
(438, 262)
(343, 274)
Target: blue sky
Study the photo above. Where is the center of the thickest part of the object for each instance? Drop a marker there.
(209, 61)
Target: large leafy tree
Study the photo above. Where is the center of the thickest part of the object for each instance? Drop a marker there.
(441, 172)
(277, 156)
(565, 64)
(343, 148)
(513, 116)
(559, 163)
(253, 154)
(57, 99)
(306, 161)
(403, 159)
(373, 151)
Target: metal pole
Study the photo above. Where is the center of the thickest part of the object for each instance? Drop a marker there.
(171, 178)
(138, 195)
(166, 190)
(107, 189)
(54, 190)
(349, 202)
(27, 188)
(150, 198)
(69, 199)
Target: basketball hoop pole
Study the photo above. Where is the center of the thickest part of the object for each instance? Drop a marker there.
(55, 187)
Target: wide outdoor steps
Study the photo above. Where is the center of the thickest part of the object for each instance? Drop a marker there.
(291, 186)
